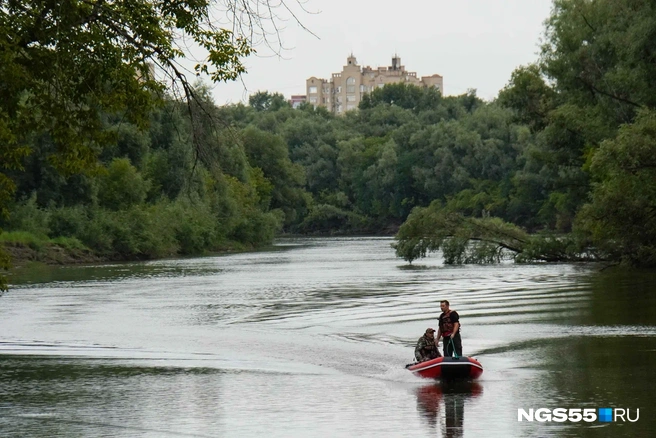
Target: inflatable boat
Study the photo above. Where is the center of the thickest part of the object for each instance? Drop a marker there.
(448, 368)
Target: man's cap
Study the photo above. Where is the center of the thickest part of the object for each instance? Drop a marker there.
(430, 330)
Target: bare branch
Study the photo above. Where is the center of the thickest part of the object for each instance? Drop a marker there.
(587, 22)
(607, 94)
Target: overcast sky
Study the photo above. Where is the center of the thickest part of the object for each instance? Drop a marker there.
(472, 43)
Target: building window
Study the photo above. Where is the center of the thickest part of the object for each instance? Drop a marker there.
(339, 89)
(350, 85)
(350, 98)
(350, 106)
(363, 88)
(380, 85)
(313, 90)
(313, 99)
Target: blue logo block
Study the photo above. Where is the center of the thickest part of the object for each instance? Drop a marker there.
(605, 415)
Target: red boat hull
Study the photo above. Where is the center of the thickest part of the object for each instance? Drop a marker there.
(448, 368)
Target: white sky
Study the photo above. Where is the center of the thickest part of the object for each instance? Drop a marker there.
(472, 43)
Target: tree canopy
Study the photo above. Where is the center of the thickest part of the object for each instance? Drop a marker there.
(589, 103)
(66, 66)
(558, 167)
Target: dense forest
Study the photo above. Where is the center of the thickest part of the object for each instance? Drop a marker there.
(585, 186)
(559, 167)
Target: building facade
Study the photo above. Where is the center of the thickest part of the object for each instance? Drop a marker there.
(344, 90)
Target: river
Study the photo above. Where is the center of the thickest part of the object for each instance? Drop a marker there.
(310, 338)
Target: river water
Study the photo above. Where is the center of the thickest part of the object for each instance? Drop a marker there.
(310, 338)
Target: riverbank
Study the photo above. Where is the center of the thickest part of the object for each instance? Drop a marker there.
(49, 253)
(24, 248)
(53, 254)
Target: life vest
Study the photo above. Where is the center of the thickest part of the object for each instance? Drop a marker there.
(446, 326)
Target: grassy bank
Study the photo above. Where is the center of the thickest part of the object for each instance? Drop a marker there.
(24, 247)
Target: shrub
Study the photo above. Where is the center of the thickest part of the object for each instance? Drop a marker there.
(28, 216)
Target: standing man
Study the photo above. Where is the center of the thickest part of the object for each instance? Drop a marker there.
(449, 328)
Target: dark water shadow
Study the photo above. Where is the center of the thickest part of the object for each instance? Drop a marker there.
(442, 405)
(418, 267)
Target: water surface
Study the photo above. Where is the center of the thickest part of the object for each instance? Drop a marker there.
(310, 338)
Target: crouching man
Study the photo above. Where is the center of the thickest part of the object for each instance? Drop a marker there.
(426, 348)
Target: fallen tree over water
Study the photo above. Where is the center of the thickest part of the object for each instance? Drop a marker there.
(470, 240)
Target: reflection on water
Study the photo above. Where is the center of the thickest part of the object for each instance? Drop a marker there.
(442, 405)
(311, 339)
(38, 273)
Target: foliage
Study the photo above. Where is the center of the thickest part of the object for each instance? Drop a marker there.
(435, 227)
(558, 167)
(621, 216)
(28, 216)
(588, 101)
(69, 69)
(170, 205)
(404, 95)
(270, 154)
(263, 101)
(599, 55)
(325, 218)
(530, 96)
(62, 67)
(122, 186)
(26, 238)
(466, 239)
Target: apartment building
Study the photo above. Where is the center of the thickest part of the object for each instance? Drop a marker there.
(344, 90)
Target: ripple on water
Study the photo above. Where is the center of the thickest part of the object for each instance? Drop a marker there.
(302, 337)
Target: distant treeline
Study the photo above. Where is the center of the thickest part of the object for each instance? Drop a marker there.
(269, 168)
(561, 166)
